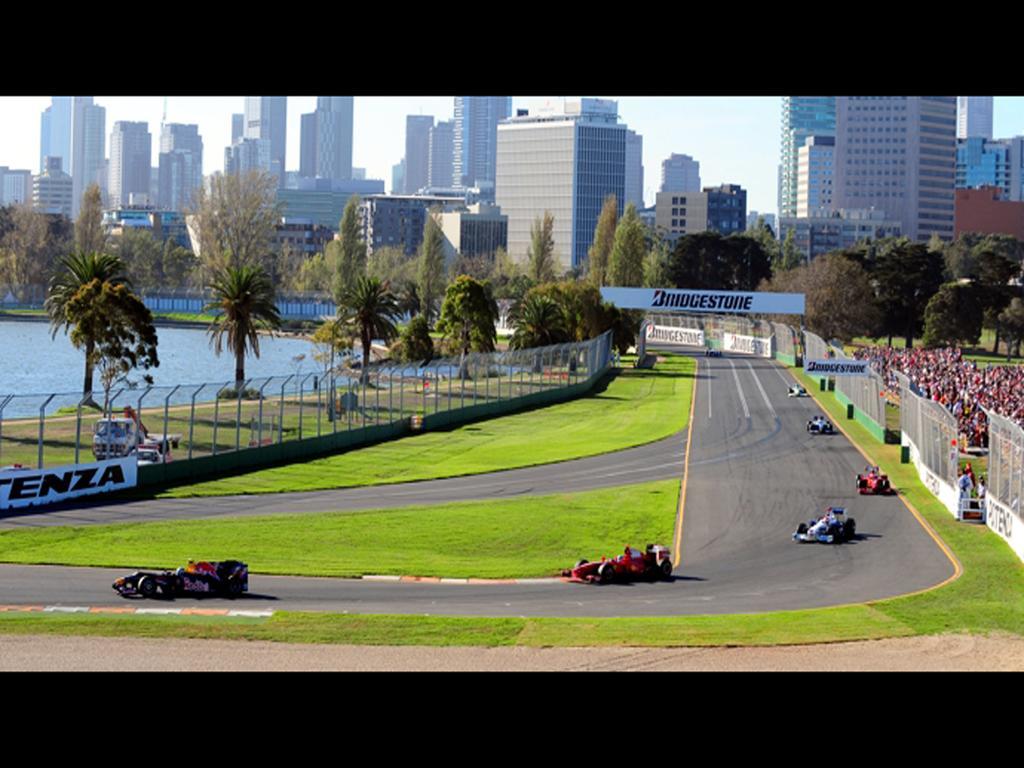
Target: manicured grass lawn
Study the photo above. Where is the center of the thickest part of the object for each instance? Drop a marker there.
(492, 539)
(633, 408)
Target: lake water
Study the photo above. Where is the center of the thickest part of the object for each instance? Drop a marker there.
(31, 362)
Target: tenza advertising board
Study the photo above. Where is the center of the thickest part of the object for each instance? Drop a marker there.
(30, 487)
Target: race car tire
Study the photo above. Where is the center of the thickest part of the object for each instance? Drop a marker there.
(851, 529)
(665, 569)
(580, 563)
(234, 588)
(147, 587)
(802, 528)
(606, 574)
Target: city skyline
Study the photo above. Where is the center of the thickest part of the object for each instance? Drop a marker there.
(736, 139)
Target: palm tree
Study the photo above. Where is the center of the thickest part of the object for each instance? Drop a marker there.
(370, 306)
(539, 322)
(244, 299)
(78, 271)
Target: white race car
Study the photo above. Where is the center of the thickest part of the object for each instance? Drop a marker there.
(797, 391)
(819, 425)
(834, 527)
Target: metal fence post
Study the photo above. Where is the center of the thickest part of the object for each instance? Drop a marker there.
(280, 421)
(42, 422)
(302, 387)
(192, 420)
(238, 415)
(216, 416)
(259, 429)
(3, 404)
(167, 406)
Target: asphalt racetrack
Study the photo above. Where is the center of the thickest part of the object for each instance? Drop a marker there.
(754, 474)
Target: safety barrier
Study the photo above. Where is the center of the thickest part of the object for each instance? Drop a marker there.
(929, 432)
(1005, 487)
(786, 340)
(865, 394)
(210, 428)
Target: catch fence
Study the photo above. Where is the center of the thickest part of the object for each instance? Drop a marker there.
(1005, 486)
(931, 431)
(865, 394)
(215, 419)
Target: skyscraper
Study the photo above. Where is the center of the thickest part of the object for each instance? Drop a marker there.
(181, 165)
(247, 155)
(634, 169)
(974, 116)
(237, 127)
(266, 117)
(815, 176)
(417, 152)
(307, 146)
(55, 131)
(440, 163)
(131, 148)
(680, 173)
(897, 154)
(51, 189)
(334, 137)
(802, 116)
(475, 138)
(565, 163)
(88, 145)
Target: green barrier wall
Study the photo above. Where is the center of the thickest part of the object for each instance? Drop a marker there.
(789, 360)
(877, 430)
(297, 450)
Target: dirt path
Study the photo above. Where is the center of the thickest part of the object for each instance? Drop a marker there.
(948, 653)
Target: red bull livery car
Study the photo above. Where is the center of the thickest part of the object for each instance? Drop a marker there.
(632, 565)
(228, 578)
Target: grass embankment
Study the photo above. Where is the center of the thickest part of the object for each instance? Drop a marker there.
(489, 539)
(634, 407)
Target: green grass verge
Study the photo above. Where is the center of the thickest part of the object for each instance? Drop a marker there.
(635, 407)
(491, 539)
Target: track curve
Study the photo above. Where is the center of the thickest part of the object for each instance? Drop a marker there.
(754, 473)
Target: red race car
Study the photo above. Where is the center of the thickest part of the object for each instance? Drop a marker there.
(632, 565)
(873, 481)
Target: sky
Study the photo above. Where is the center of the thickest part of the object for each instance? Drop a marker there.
(735, 139)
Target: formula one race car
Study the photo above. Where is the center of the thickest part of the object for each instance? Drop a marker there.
(874, 482)
(228, 578)
(709, 352)
(834, 527)
(654, 563)
(797, 391)
(819, 425)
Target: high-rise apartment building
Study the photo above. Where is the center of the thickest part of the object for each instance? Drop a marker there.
(181, 166)
(817, 235)
(565, 163)
(634, 169)
(417, 152)
(897, 154)
(398, 177)
(721, 209)
(441, 161)
(475, 139)
(983, 163)
(680, 173)
(266, 117)
(131, 148)
(15, 186)
(974, 116)
(88, 148)
(55, 131)
(802, 116)
(52, 189)
(334, 137)
(815, 175)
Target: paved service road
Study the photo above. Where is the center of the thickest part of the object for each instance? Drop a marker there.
(754, 474)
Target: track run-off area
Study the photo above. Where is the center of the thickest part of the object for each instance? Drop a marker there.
(752, 473)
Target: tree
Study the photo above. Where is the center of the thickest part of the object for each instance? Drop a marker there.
(178, 266)
(430, 268)
(539, 323)
(789, 256)
(33, 243)
(142, 256)
(604, 239)
(656, 273)
(235, 220)
(541, 255)
(994, 274)
(369, 306)
(953, 315)
(89, 234)
(244, 302)
(467, 318)
(765, 236)
(390, 264)
(906, 276)
(415, 344)
(316, 275)
(580, 304)
(1011, 320)
(708, 261)
(77, 303)
(351, 254)
(626, 264)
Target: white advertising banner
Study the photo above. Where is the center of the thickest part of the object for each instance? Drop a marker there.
(836, 367)
(666, 334)
(750, 345)
(685, 300)
(943, 491)
(1001, 519)
(30, 487)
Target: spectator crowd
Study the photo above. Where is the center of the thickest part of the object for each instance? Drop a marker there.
(961, 386)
